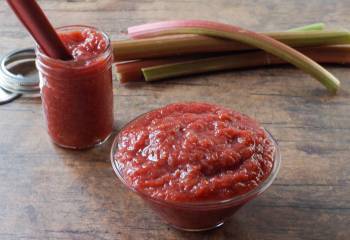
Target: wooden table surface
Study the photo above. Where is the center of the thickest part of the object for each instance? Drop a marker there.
(50, 193)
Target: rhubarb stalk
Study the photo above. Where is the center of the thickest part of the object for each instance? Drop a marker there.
(257, 40)
(310, 27)
(132, 71)
(175, 67)
(188, 44)
(326, 54)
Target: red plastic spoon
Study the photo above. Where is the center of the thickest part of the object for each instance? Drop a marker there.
(34, 19)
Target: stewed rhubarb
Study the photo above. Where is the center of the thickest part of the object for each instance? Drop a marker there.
(77, 95)
(194, 152)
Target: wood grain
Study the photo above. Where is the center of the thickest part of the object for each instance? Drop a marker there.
(50, 193)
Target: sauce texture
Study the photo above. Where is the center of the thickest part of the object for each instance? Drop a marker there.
(84, 44)
(193, 152)
(77, 95)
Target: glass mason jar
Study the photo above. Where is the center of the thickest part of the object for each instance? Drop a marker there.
(77, 96)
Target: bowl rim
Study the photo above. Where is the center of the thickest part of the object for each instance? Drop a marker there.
(236, 200)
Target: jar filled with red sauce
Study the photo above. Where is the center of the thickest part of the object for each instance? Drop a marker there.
(77, 95)
(195, 164)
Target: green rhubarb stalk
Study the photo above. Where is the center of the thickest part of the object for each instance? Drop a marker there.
(325, 54)
(310, 27)
(131, 71)
(257, 40)
(188, 44)
(175, 67)
(312, 38)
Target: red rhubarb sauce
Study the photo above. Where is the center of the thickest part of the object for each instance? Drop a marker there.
(77, 95)
(194, 152)
(84, 44)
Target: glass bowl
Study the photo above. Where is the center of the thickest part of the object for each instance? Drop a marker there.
(199, 216)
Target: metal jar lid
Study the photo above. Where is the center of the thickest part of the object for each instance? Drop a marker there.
(6, 96)
(18, 74)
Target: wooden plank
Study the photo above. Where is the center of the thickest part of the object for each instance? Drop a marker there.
(51, 193)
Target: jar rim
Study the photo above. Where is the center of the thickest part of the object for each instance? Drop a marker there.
(74, 62)
(205, 204)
